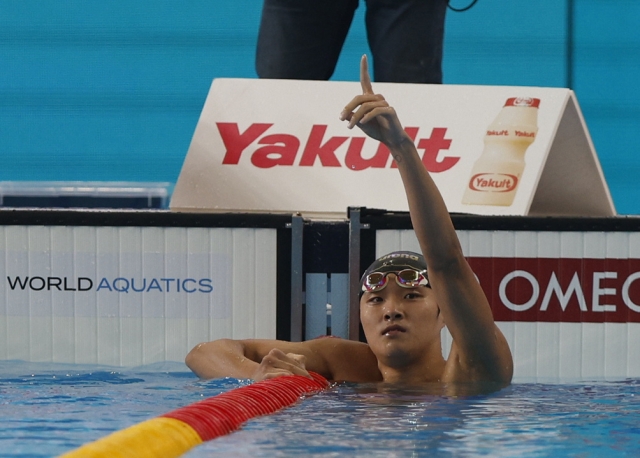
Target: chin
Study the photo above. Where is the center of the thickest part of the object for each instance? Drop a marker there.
(393, 352)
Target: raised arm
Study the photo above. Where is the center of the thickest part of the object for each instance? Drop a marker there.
(480, 351)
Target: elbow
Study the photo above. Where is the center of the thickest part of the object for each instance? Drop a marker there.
(199, 358)
(193, 357)
(207, 359)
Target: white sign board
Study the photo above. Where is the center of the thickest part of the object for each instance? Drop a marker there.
(278, 146)
(128, 296)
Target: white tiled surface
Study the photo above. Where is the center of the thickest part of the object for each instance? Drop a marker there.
(133, 328)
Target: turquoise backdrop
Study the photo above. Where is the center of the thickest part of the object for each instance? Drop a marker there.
(112, 90)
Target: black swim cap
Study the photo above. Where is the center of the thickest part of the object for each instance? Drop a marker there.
(395, 262)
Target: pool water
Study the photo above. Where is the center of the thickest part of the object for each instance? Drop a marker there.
(46, 410)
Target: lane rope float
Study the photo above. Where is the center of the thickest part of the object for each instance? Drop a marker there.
(176, 432)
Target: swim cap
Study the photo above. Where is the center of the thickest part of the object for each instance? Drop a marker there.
(395, 262)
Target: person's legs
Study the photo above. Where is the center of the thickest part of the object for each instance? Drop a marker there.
(406, 39)
(302, 39)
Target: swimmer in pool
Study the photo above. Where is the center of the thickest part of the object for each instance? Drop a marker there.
(403, 304)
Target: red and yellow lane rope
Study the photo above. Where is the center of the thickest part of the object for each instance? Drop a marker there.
(178, 431)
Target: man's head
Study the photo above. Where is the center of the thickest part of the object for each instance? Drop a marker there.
(398, 310)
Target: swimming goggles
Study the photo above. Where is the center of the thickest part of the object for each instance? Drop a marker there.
(407, 278)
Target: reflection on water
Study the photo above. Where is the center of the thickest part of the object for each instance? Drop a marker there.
(45, 411)
(432, 420)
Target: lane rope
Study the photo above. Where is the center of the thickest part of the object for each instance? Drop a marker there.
(176, 432)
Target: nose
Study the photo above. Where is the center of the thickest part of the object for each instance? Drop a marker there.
(393, 315)
(392, 312)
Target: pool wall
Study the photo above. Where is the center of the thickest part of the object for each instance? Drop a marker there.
(78, 290)
(133, 288)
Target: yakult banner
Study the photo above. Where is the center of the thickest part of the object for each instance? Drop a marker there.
(278, 146)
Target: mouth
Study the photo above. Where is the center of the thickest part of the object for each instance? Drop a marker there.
(393, 330)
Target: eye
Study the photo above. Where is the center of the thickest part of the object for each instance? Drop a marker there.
(413, 295)
(374, 299)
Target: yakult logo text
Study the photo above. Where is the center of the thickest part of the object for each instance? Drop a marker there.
(561, 290)
(525, 102)
(493, 182)
(281, 149)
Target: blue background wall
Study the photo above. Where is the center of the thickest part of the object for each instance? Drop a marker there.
(111, 91)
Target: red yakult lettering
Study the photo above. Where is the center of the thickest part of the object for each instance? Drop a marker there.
(355, 161)
(432, 147)
(493, 182)
(235, 142)
(282, 149)
(326, 153)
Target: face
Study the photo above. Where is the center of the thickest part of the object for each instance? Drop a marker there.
(400, 323)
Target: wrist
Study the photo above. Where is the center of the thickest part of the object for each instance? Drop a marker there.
(400, 142)
(403, 148)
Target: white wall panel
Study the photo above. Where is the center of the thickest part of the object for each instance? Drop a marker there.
(615, 348)
(526, 244)
(153, 307)
(220, 264)
(592, 350)
(569, 351)
(594, 245)
(107, 312)
(523, 348)
(82, 319)
(549, 245)
(547, 355)
(387, 241)
(480, 244)
(246, 292)
(633, 350)
(154, 292)
(265, 285)
(617, 245)
(178, 329)
(634, 245)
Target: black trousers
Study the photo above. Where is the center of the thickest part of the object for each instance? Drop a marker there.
(302, 39)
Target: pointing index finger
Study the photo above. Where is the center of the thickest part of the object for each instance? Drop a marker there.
(365, 79)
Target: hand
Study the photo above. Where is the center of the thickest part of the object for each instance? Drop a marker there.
(276, 364)
(374, 115)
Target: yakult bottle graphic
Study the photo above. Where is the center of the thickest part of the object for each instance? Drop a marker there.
(496, 174)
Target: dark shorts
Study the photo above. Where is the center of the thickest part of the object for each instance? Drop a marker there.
(302, 39)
